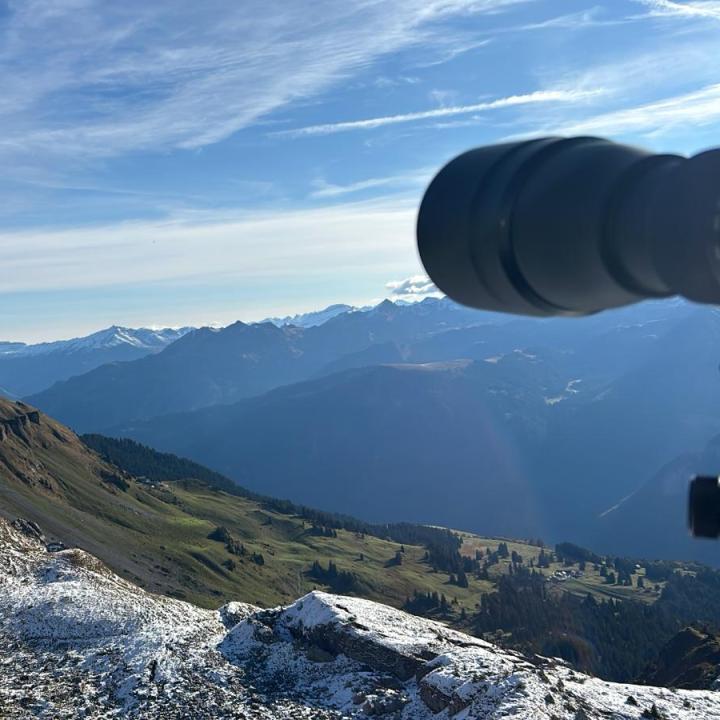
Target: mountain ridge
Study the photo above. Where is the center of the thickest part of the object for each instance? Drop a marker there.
(219, 366)
(314, 317)
(689, 660)
(25, 369)
(107, 337)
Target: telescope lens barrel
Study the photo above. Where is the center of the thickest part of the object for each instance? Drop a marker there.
(572, 226)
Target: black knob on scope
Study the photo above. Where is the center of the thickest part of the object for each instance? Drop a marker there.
(572, 226)
(704, 507)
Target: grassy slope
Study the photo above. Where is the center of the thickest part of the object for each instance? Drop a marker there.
(158, 536)
(591, 583)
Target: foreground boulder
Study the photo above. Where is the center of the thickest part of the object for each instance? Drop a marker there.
(375, 661)
(79, 642)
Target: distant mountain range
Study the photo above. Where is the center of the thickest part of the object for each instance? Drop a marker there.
(115, 336)
(25, 369)
(533, 442)
(431, 412)
(311, 319)
(220, 366)
(318, 317)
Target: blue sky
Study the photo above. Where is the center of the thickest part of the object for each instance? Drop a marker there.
(173, 163)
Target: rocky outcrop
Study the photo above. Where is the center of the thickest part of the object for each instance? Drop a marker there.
(394, 665)
(15, 418)
(27, 438)
(234, 612)
(691, 660)
(29, 528)
(403, 665)
(80, 642)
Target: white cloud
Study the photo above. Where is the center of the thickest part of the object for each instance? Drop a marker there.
(443, 98)
(376, 237)
(538, 97)
(383, 81)
(415, 287)
(84, 78)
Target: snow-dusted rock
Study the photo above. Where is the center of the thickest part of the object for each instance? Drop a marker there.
(79, 642)
(76, 641)
(374, 648)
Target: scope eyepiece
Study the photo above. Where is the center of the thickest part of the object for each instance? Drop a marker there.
(572, 226)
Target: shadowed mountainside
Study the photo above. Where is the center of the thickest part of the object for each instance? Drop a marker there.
(690, 660)
(210, 366)
(447, 443)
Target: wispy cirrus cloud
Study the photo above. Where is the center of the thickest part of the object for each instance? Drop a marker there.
(533, 98)
(697, 9)
(594, 17)
(413, 179)
(85, 78)
(697, 108)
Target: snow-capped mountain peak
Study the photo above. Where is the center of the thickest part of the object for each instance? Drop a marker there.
(311, 319)
(111, 337)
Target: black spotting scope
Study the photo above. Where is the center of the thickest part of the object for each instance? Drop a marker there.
(572, 226)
